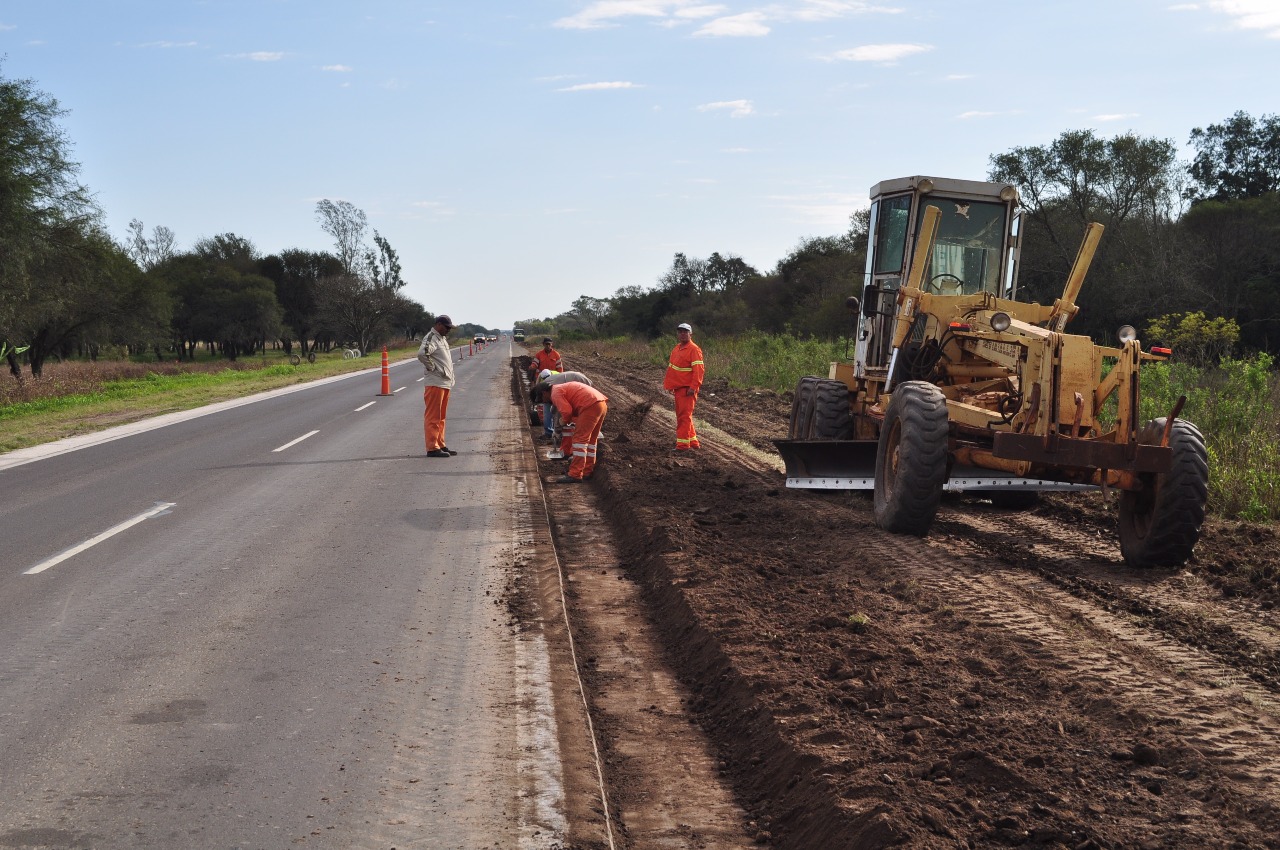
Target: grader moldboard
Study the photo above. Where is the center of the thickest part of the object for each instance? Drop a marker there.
(955, 385)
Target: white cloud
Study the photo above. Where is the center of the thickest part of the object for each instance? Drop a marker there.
(887, 53)
(737, 108)
(748, 24)
(826, 10)
(168, 44)
(974, 113)
(952, 77)
(1251, 14)
(259, 56)
(601, 86)
(342, 69)
(7, 27)
(1185, 7)
(605, 13)
(673, 13)
(736, 150)
(1115, 116)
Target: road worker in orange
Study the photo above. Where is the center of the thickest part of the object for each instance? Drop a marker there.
(584, 407)
(685, 372)
(546, 358)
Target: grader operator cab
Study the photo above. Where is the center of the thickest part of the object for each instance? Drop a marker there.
(955, 385)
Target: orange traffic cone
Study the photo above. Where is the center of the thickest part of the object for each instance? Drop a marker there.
(386, 374)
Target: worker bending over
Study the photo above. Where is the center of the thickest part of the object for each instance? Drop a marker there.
(584, 407)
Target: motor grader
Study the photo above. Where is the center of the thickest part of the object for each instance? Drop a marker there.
(956, 385)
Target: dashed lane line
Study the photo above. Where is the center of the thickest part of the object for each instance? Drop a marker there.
(292, 443)
(160, 508)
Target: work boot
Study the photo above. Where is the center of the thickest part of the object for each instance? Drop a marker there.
(447, 449)
(438, 453)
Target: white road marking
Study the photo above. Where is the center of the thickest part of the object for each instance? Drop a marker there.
(420, 380)
(398, 390)
(295, 442)
(363, 406)
(160, 508)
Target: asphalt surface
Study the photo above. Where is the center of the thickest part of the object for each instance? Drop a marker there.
(216, 634)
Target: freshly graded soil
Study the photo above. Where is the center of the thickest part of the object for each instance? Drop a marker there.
(1004, 681)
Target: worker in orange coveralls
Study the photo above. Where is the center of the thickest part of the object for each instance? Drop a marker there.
(685, 372)
(547, 358)
(584, 407)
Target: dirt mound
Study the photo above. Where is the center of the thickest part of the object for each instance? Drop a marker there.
(1006, 681)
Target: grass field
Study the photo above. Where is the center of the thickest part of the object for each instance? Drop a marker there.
(78, 397)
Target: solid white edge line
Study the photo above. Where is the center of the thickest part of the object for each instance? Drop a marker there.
(295, 442)
(398, 390)
(363, 406)
(160, 508)
(31, 454)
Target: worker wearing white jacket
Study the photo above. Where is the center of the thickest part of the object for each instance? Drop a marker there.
(436, 357)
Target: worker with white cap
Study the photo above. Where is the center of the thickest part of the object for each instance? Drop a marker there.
(685, 371)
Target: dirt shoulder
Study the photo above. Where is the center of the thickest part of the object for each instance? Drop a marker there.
(1006, 681)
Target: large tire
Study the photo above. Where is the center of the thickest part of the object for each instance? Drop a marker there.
(832, 417)
(911, 460)
(1014, 500)
(802, 409)
(1160, 524)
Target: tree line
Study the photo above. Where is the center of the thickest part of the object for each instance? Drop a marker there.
(68, 288)
(1198, 239)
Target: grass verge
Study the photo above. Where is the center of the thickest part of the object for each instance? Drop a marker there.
(78, 398)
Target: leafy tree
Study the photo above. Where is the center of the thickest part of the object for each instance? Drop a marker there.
(1237, 244)
(228, 249)
(355, 309)
(1132, 186)
(149, 252)
(384, 264)
(296, 274)
(588, 315)
(1239, 158)
(44, 208)
(346, 224)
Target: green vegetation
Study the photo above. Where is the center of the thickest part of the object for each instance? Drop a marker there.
(1236, 405)
(749, 360)
(76, 397)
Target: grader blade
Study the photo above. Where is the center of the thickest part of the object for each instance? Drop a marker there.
(829, 464)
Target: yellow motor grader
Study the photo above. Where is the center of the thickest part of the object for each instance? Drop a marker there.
(956, 385)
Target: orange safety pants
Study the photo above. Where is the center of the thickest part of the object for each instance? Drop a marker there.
(586, 434)
(436, 401)
(686, 437)
(566, 439)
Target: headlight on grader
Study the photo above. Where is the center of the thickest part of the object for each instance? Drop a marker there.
(1000, 322)
(1127, 333)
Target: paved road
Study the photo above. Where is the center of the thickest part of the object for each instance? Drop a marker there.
(301, 646)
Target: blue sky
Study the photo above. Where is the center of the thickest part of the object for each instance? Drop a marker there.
(520, 154)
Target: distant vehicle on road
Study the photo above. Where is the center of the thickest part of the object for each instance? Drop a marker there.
(518, 334)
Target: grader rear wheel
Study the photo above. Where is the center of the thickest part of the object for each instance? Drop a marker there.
(802, 409)
(832, 418)
(1160, 524)
(911, 460)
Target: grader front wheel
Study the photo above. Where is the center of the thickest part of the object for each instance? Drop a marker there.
(1160, 524)
(911, 460)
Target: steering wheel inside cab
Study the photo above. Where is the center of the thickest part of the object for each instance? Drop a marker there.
(945, 283)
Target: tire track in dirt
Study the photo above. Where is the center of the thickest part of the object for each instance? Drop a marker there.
(1089, 703)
